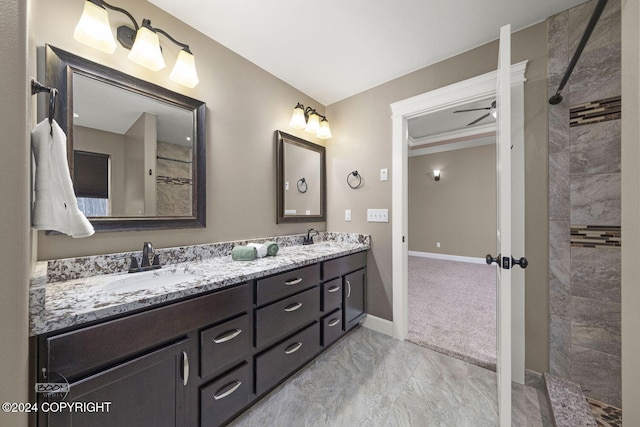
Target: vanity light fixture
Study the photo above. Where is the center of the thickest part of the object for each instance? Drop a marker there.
(436, 174)
(309, 120)
(94, 30)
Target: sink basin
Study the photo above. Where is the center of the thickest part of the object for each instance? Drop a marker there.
(148, 280)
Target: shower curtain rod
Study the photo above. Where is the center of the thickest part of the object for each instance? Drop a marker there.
(557, 98)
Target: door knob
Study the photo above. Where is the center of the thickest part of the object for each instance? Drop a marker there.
(490, 260)
(522, 262)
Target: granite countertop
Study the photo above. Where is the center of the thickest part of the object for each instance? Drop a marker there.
(61, 304)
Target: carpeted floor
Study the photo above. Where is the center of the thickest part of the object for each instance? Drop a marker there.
(452, 309)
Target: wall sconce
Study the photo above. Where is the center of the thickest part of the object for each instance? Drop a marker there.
(436, 174)
(94, 29)
(309, 120)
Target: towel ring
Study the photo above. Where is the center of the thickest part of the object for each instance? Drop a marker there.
(302, 185)
(357, 175)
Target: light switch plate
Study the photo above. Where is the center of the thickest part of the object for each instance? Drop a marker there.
(347, 214)
(378, 215)
(384, 174)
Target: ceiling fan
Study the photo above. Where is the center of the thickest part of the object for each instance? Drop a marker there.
(491, 109)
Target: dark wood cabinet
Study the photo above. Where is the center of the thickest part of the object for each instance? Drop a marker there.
(150, 390)
(354, 298)
(205, 359)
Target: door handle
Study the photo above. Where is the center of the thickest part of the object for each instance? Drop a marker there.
(333, 289)
(293, 282)
(348, 289)
(333, 322)
(490, 260)
(185, 368)
(522, 262)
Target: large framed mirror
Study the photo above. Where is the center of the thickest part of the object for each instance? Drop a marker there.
(136, 151)
(301, 186)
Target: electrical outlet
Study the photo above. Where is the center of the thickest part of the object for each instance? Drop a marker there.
(286, 186)
(347, 214)
(384, 174)
(378, 215)
(437, 244)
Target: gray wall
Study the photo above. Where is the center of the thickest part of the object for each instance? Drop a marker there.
(361, 127)
(630, 209)
(459, 211)
(245, 105)
(15, 244)
(584, 191)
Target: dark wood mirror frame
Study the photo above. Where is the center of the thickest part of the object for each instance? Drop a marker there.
(281, 137)
(60, 68)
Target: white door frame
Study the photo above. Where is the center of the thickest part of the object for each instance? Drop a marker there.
(471, 90)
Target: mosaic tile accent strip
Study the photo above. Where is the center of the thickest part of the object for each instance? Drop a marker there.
(605, 415)
(596, 111)
(596, 236)
(173, 180)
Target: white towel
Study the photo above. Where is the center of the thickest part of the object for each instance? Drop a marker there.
(55, 206)
(260, 248)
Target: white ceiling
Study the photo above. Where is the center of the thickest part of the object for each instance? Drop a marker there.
(333, 49)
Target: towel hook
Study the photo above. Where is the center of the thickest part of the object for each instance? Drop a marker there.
(302, 185)
(37, 87)
(357, 175)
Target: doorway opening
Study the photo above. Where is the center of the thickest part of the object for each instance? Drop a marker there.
(477, 89)
(451, 226)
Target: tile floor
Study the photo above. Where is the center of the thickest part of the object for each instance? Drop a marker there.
(370, 379)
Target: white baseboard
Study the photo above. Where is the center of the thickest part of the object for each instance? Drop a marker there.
(459, 258)
(378, 324)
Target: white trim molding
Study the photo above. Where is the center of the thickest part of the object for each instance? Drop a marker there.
(458, 258)
(378, 324)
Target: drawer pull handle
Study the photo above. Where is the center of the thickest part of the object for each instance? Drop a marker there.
(334, 289)
(293, 307)
(334, 322)
(293, 348)
(227, 336)
(185, 368)
(293, 282)
(348, 289)
(230, 388)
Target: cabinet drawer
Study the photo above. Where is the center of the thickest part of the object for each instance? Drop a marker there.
(222, 345)
(277, 363)
(287, 283)
(331, 295)
(343, 265)
(331, 327)
(225, 397)
(83, 350)
(279, 319)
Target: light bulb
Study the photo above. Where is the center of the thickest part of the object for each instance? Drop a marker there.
(184, 72)
(297, 118)
(146, 50)
(94, 29)
(313, 124)
(325, 130)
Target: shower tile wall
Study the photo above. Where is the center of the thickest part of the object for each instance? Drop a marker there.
(584, 203)
(174, 180)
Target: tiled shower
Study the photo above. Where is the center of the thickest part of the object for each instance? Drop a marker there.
(584, 204)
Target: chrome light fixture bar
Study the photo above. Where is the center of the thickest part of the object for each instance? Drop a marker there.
(94, 29)
(309, 120)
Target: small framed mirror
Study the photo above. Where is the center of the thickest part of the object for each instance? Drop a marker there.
(301, 186)
(136, 151)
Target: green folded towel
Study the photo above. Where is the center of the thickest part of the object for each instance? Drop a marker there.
(243, 253)
(272, 248)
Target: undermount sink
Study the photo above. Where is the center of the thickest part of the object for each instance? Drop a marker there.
(149, 280)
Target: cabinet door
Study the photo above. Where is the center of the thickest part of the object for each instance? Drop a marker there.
(354, 298)
(147, 391)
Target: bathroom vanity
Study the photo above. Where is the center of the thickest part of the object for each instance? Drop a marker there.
(204, 358)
